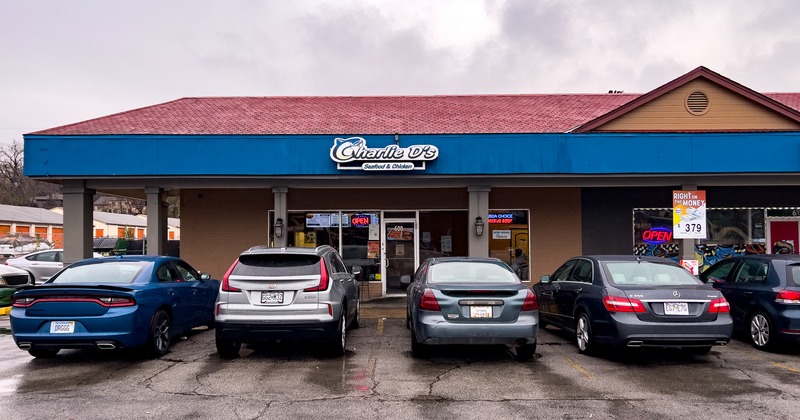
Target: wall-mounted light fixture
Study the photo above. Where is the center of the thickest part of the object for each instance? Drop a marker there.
(278, 227)
(479, 226)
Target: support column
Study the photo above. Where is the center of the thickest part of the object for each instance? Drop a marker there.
(478, 207)
(156, 237)
(78, 218)
(687, 245)
(281, 213)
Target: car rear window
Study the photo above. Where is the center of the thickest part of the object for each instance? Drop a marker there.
(117, 272)
(470, 272)
(644, 273)
(277, 265)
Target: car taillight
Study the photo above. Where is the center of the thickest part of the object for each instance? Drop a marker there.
(22, 302)
(323, 279)
(428, 301)
(623, 304)
(226, 287)
(531, 304)
(719, 306)
(117, 301)
(788, 297)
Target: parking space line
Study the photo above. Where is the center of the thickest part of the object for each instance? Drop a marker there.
(782, 366)
(380, 326)
(579, 368)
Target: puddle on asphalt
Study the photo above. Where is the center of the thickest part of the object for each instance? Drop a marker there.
(9, 385)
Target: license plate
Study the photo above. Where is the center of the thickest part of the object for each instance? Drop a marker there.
(480, 311)
(676, 308)
(62, 327)
(271, 297)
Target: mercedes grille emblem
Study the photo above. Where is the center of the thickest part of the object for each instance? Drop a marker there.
(676, 293)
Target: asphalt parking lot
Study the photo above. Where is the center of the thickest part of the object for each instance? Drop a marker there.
(377, 378)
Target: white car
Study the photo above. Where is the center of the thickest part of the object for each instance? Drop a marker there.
(42, 264)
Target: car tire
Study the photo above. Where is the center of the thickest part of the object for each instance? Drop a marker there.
(160, 334)
(338, 343)
(228, 349)
(526, 351)
(761, 331)
(418, 350)
(356, 324)
(43, 353)
(698, 351)
(583, 334)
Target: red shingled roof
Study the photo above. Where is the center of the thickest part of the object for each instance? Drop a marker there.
(364, 115)
(355, 115)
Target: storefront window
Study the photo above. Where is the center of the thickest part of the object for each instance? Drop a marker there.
(508, 239)
(730, 232)
(442, 234)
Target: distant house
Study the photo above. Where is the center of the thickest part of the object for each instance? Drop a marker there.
(47, 225)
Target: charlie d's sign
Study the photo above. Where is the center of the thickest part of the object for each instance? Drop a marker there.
(353, 153)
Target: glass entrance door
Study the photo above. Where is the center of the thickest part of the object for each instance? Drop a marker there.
(400, 244)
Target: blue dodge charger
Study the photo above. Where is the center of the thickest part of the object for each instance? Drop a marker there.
(113, 302)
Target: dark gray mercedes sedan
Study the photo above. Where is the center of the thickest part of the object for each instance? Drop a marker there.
(624, 300)
(464, 300)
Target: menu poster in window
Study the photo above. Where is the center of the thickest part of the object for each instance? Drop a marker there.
(374, 232)
(373, 249)
(321, 220)
(399, 233)
(399, 250)
(447, 244)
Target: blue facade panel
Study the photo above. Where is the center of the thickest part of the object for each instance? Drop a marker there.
(473, 154)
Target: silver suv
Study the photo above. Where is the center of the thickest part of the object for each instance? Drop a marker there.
(276, 294)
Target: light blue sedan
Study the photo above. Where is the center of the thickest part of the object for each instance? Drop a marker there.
(113, 302)
(467, 300)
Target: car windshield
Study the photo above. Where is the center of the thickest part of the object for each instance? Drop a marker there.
(470, 272)
(115, 272)
(644, 273)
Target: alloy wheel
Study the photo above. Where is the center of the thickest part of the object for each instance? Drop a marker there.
(161, 333)
(582, 333)
(760, 330)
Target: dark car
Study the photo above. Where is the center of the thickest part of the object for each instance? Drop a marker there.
(461, 300)
(764, 294)
(113, 302)
(633, 301)
(271, 294)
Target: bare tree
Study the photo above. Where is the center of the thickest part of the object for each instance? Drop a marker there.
(15, 188)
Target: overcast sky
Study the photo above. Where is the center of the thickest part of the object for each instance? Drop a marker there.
(68, 61)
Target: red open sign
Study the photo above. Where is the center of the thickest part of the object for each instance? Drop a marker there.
(657, 235)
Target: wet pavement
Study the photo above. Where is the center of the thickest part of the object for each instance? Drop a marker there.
(377, 378)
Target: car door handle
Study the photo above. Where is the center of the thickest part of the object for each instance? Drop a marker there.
(548, 293)
(170, 291)
(579, 290)
(748, 293)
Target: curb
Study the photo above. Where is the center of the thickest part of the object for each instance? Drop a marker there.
(5, 311)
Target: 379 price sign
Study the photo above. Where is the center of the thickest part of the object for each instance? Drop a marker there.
(689, 214)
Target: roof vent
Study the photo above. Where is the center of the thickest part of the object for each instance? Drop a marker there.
(697, 102)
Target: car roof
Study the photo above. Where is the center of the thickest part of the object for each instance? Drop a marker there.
(623, 258)
(436, 260)
(265, 249)
(128, 258)
(777, 257)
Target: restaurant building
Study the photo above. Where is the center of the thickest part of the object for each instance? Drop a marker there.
(391, 180)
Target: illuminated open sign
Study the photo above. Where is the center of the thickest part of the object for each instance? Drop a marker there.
(360, 220)
(657, 235)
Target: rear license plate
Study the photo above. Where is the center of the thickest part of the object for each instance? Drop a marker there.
(271, 297)
(62, 327)
(480, 311)
(676, 308)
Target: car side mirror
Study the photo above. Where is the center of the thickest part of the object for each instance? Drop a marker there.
(405, 279)
(205, 276)
(355, 270)
(544, 279)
